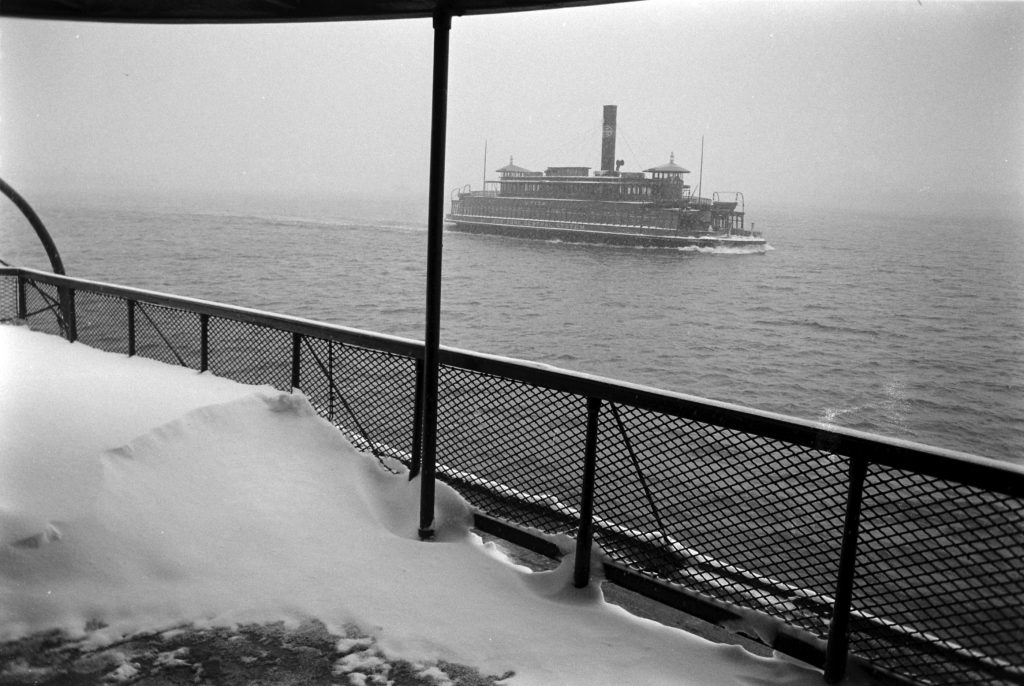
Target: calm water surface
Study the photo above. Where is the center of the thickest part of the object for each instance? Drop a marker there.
(911, 327)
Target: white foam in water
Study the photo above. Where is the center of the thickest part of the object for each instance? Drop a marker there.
(173, 497)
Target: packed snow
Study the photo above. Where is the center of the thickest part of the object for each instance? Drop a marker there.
(138, 496)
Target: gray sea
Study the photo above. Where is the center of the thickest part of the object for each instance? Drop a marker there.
(902, 325)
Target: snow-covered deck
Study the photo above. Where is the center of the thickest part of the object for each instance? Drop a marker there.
(136, 496)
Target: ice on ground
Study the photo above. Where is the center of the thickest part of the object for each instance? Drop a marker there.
(137, 496)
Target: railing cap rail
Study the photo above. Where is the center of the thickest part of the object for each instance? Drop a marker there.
(386, 342)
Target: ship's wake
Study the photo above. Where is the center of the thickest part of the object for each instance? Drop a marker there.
(691, 249)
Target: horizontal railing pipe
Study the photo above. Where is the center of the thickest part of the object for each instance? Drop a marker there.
(306, 327)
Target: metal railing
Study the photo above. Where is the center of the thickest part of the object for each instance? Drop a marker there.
(823, 543)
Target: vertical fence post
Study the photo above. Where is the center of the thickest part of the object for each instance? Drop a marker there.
(296, 360)
(585, 536)
(131, 328)
(204, 342)
(67, 308)
(417, 423)
(22, 297)
(839, 628)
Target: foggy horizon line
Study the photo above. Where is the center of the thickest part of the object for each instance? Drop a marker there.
(955, 204)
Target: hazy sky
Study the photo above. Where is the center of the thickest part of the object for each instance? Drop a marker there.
(846, 102)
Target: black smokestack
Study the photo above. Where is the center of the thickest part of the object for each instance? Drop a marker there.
(608, 139)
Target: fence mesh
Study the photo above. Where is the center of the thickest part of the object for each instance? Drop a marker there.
(316, 375)
(514, 449)
(42, 307)
(940, 578)
(368, 394)
(102, 321)
(742, 518)
(378, 393)
(737, 517)
(250, 353)
(167, 334)
(8, 298)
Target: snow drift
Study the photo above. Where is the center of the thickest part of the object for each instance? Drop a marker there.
(138, 496)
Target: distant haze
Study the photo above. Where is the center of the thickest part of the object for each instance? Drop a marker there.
(883, 104)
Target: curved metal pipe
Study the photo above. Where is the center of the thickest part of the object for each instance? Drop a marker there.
(65, 294)
(37, 224)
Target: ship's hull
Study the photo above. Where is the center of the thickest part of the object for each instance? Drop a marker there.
(602, 234)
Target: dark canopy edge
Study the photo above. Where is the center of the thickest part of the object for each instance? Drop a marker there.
(262, 11)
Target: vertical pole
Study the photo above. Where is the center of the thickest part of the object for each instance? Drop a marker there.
(435, 227)
(585, 537)
(22, 297)
(67, 307)
(838, 635)
(417, 424)
(204, 342)
(296, 359)
(131, 328)
(700, 174)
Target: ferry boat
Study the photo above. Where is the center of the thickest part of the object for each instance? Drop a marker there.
(654, 208)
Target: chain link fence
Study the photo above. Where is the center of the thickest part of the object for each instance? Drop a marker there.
(913, 556)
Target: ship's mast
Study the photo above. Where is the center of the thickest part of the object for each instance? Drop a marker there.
(700, 171)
